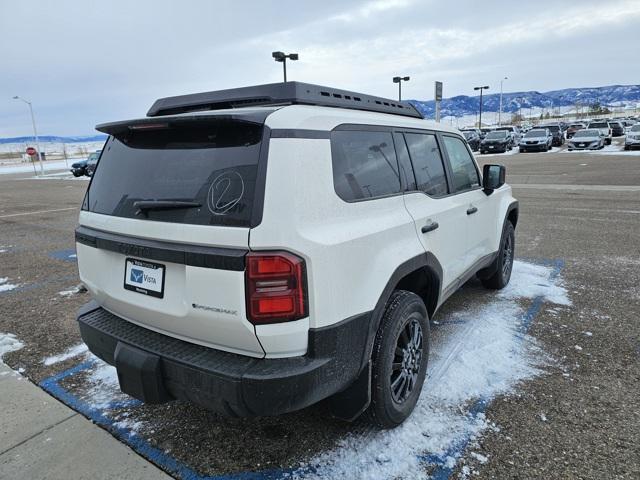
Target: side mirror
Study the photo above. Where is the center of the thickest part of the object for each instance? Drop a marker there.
(492, 177)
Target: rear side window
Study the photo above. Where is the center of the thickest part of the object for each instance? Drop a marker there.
(364, 164)
(209, 163)
(463, 168)
(427, 163)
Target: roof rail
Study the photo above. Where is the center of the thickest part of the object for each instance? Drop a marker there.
(273, 94)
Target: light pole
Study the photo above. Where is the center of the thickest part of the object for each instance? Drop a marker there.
(485, 87)
(281, 57)
(35, 131)
(500, 111)
(399, 81)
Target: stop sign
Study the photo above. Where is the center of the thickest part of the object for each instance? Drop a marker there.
(31, 151)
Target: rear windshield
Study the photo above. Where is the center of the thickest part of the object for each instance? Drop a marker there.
(553, 128)
(535, 134)
(587, 133)
(599, 125)
(210, 164)
(496, 135)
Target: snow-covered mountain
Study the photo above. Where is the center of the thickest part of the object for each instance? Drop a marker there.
(613, 95)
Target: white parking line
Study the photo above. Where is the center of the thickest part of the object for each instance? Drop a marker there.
(39, 211)
(558, 186)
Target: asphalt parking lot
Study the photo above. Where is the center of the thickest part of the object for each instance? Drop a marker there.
(576, 416)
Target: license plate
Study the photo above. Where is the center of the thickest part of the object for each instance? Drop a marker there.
(144, 277)
(581, 145)
(490, 146)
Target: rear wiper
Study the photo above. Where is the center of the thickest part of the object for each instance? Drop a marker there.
(146, 205)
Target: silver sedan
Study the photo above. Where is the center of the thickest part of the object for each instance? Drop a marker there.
(589, 139)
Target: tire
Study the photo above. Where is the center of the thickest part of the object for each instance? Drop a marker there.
(504, 262)
(401, 350)
(76, 174)
(626, 147)
(608, 142)
(522, 150)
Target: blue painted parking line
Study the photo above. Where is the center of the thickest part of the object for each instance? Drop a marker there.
(442, 468)
(100, 417)
(67, 255)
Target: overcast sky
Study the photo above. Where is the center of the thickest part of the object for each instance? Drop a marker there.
(86, 62)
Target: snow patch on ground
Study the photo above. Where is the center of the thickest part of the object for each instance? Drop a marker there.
(513, 151)
(74, 290)
(529, 280)
(9, 343)
(26, 167)
(69, 353)
(607, 150)
(105, 387)
(486, 357)
(57, 176)
(5, 286)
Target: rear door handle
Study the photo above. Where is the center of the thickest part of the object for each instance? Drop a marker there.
(430, 227)
(472, 210)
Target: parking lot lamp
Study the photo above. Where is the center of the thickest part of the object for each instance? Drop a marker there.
(282, 57)
(35, 131)
(399, 81)
(500, 110)
(485, 87)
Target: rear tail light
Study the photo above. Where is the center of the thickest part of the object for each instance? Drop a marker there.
(276, 287)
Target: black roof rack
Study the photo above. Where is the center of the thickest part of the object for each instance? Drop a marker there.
(280, 94)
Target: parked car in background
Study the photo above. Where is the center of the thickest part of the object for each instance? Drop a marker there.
(92, 162)
(632, 140)
(573, 128)
(604, 127)
(556, 132)
(617, 129)
(496, 141)
(79, 168)
(473, 139)
(627, 124)
(484, 131)
(539, 139)
(513, 131)
(587, 139)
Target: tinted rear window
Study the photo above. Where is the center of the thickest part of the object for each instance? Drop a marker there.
(213, 163)
(364, 164)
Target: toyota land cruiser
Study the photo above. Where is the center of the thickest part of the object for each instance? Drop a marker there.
(258, 250)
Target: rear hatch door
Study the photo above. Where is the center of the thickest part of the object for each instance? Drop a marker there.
(165, 225)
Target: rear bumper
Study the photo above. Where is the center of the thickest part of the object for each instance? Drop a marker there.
(541, 147)
(156, 368)
(586, 147)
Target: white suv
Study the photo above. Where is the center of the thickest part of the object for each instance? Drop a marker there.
(260, 249)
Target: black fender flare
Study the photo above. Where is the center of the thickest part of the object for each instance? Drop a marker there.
(350, 403)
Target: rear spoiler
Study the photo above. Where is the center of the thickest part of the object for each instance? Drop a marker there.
(157, 123)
